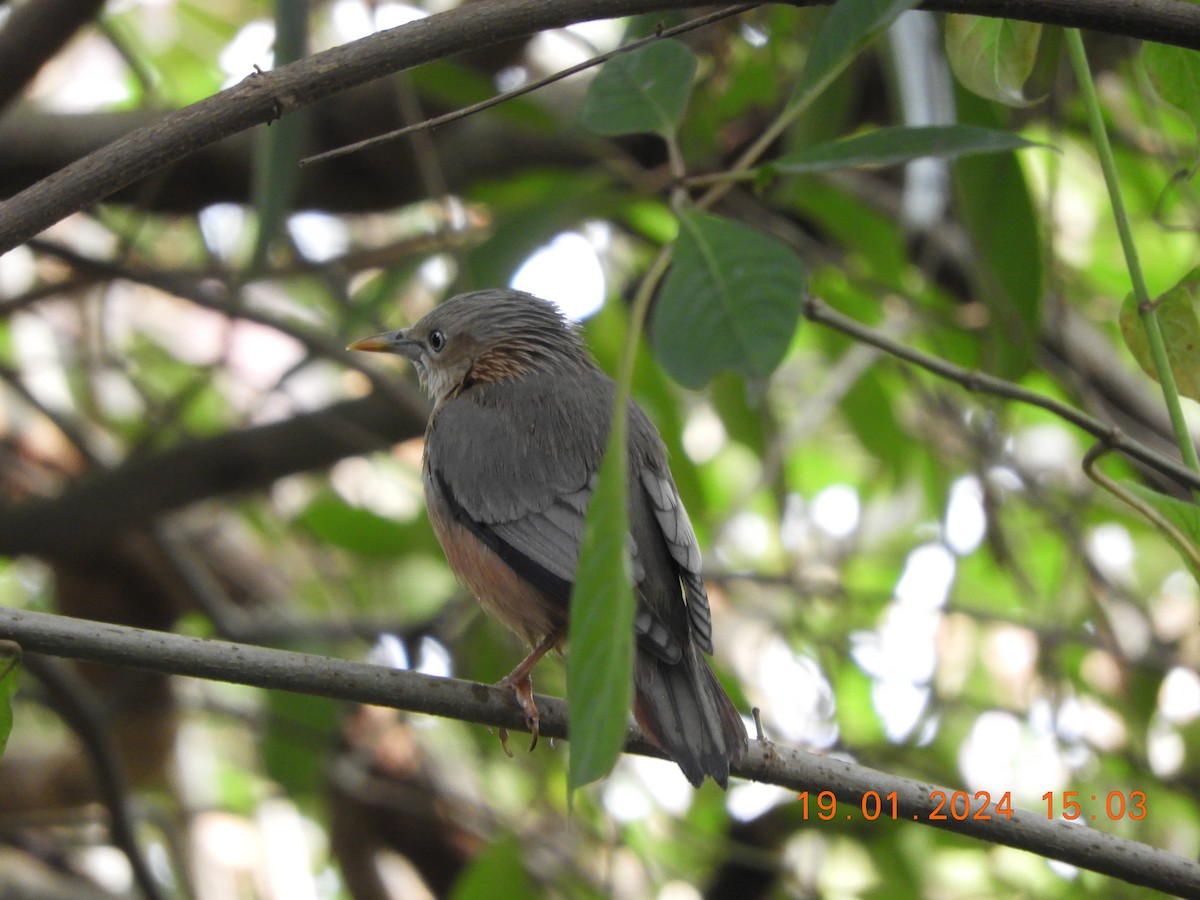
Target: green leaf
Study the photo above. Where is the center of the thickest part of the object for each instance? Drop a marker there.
(849, 27)
(300, 729)
(873, 242)
(743, 420)
(730, 301)
(361, 531)
(1175, 74)
(10, 676)
(889, 146)
(870, 409)
(645, 90)
(498, 871)
(1180, 329)
(1183, 515)
(600, 661)
(993, 57)
(996, 205)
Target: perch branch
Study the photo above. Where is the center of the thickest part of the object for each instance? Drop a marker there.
(796, 770)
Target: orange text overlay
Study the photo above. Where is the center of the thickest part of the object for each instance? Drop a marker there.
(961, 805)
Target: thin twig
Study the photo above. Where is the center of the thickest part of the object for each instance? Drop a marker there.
(983, 383)
(1186, 547)
(69, 429)
(600, 59)
(79, 708)
(228, 301)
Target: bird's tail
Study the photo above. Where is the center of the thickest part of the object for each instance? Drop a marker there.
(685, 711)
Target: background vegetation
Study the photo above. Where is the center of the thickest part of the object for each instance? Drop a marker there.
(909, 569)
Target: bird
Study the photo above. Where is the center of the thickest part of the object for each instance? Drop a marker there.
(519, 423)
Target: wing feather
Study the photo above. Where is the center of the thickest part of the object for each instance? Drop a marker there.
(530, 507)
(681, 541)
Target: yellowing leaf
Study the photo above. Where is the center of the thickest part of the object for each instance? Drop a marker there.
(1181, 334)
(993, 57)
(1175, 74)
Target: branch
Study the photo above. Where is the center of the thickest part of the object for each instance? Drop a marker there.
(489, 705)
(262, 98)
(983, 383)
(32, 34)
(529, 87)
(141, 489)
(35, 144)
(1163, 21)
(79, 708)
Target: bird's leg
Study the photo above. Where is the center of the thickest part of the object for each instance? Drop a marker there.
(521, 684)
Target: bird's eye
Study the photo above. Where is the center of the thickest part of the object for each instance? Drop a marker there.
(437, 341)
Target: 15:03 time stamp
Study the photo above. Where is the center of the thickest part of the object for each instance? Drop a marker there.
(961, 805)
(1113, 806)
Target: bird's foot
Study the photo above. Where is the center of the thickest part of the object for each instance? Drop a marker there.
(519, 682)
(522, 687)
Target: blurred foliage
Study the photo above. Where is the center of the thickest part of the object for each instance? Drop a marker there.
(10, 677)
(909, 574)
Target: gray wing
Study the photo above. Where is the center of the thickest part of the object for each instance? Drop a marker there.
(519, 474)
(515, 462)
(510, 449)
(681, 541)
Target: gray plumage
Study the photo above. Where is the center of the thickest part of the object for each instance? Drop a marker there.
(520, 422)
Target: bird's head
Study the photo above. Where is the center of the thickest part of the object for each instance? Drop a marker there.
(484, 337)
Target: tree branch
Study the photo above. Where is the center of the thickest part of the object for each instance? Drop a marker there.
(143, 488)
(488, 705)
(982, 383)
(34, 145)
(262, 98)
(78, 707)
(32, 34)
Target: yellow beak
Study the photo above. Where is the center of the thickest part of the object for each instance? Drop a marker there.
(376, 343)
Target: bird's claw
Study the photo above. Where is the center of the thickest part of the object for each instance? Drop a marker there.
(503, 734)
(522, 688)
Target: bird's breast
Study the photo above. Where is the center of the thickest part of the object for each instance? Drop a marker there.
(521, 607)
